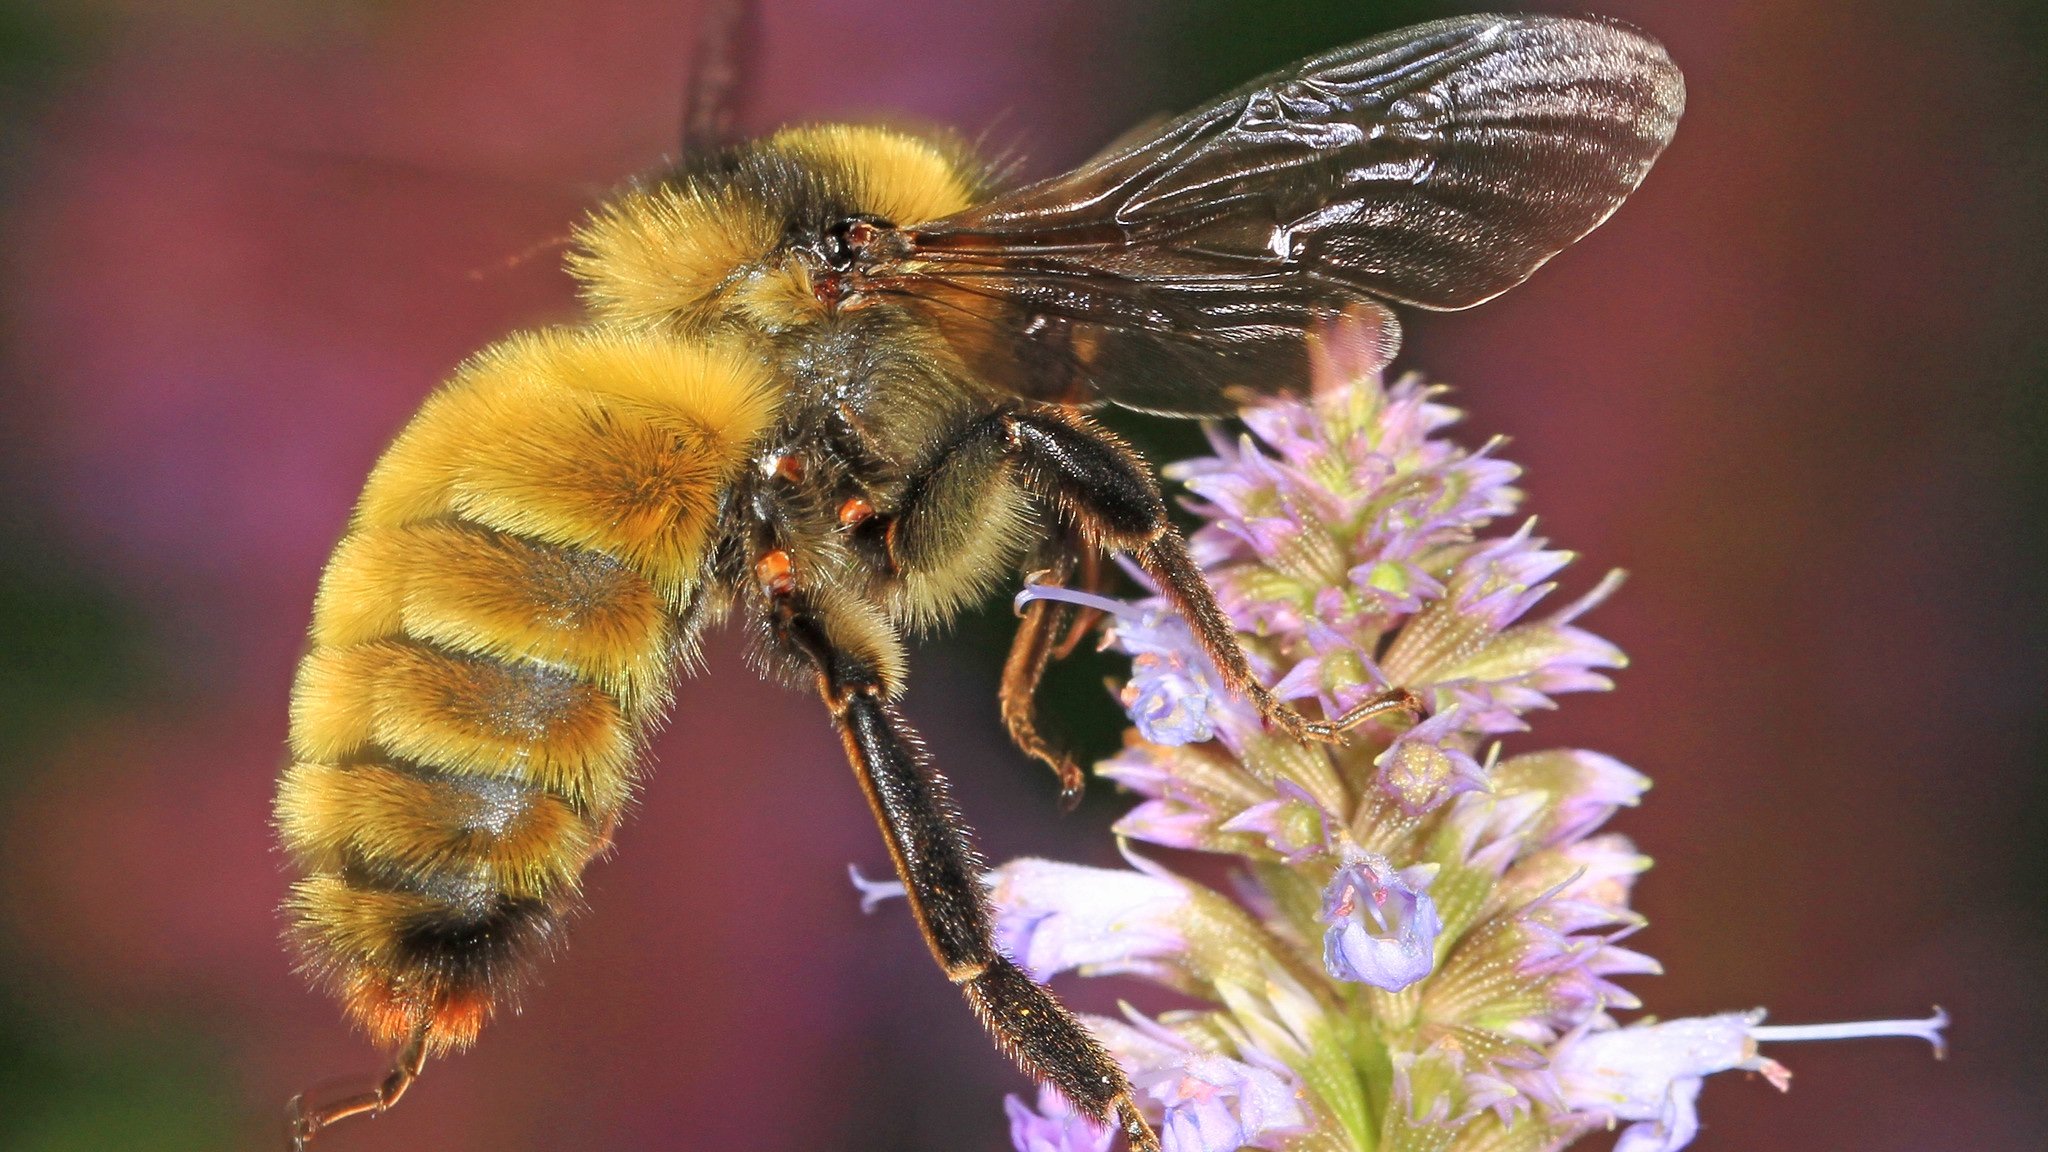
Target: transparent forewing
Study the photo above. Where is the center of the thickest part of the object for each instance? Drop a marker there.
(1437, 167)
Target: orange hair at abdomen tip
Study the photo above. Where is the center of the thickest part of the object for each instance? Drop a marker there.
(492, 638)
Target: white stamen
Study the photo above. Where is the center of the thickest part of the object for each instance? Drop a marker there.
(1071, 596)
(1928, 1030)
(873, 892)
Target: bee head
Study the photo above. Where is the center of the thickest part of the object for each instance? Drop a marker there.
(762, 235)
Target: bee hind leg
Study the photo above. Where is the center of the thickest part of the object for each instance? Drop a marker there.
(1109, 493)
(942, 877)
(305, 1122)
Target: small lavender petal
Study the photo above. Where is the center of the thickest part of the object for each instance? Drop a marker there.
(1628, 1073)
(1174, 692)
(1303, 680)
(1652, 1072)
(1168, 705)
(1169, 823)
(1140, 1045)
(1054, 1126)
(1175, 695)
(1382, 926)
(1676, 1123)
(1604, 867)
(1216, 1104)
(1421, 771)
(1293, 824)
(1051, 917)
(1584, 788)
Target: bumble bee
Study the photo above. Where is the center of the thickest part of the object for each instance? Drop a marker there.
(834, 381)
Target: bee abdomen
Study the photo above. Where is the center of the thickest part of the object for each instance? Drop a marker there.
(458, 762)
(491, 641)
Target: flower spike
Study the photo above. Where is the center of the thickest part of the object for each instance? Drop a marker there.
(1423, 944)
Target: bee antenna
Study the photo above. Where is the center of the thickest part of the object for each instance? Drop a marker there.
(523, 256)
(714, 91)
(304, 1122)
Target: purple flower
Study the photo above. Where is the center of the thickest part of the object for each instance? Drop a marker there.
(1054, 1126)
(1052, 917)
(1174, 691)
(1382, 925)
(1203, 1100)
(1339, 672)
(1651, 1073)
(1583, 789)
(1293, 824)
(1177, 813)
(1338, 508)
(1421, 769)
(1216, 1104)
(1348, 540)
(1471, 646)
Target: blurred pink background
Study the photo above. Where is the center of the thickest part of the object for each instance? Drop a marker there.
(1795, 386)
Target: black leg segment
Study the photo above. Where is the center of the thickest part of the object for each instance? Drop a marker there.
(927, 838)
(1110, 495)
(930, 846)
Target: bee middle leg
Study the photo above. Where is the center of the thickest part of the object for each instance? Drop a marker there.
(1048, 630)
(930, 846)
(1109, 493)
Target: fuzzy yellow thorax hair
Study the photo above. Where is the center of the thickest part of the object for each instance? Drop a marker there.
(656, 255)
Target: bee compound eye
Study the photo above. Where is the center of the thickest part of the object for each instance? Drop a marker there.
(838, 249)
(846, 240)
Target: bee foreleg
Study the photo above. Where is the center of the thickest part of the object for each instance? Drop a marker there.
(930, 846)
(1108, 491)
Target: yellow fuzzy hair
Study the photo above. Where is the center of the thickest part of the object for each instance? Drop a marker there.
(980, 522)
(654, 252)
(489, 594)
(465, 715)
(397, 820)
(902, 178)
(354, 939)
(583, 439)
(490, 642)
(655, 256)
(860, 630)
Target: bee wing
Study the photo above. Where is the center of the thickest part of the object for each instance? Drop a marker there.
(1437, 166)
